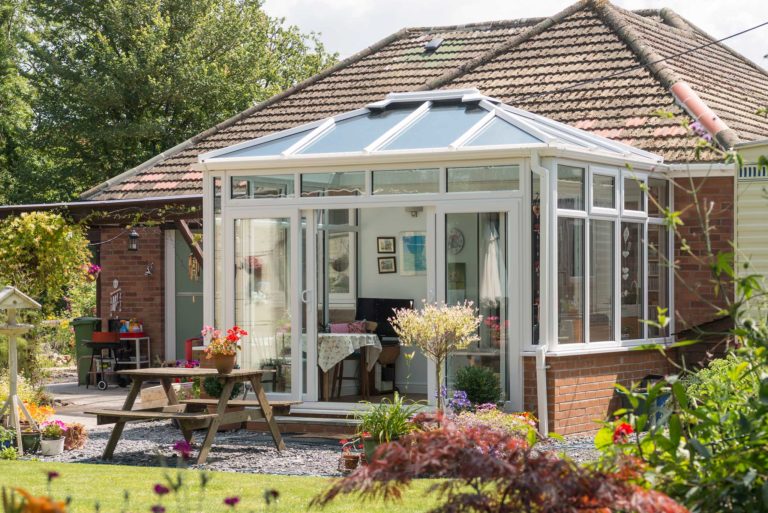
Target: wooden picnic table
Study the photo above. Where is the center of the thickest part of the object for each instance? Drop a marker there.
(192, 414)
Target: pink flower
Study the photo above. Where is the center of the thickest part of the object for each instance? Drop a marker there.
(157, 508)
(161, 490)
(231, 501)
(183, 448)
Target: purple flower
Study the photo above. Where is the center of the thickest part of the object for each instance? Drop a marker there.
(161, 490)
(702, 132)
(52, 474)
(183, 448)
(157, 508)
(231, 501)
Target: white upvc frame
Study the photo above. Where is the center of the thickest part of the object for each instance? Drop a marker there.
(229, 216)
(516, 247)
(618, 215)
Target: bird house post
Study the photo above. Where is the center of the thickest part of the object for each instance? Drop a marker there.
(11, 300)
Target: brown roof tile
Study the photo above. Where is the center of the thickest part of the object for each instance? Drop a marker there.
(536, 64)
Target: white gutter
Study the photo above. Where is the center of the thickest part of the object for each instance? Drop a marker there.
(700, 170)
(544, 311)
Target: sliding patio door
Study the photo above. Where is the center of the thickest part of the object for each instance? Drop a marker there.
(263, 281)
(478, 255)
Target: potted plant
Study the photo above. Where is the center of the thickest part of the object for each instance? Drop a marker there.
(350, 455)
(52, 432)
(213, 389)
(222, 350)
(384, 422)
(437, 330)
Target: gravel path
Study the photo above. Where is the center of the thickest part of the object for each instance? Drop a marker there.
(148, 444)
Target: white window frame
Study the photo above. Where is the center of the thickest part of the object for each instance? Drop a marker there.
(618, 215)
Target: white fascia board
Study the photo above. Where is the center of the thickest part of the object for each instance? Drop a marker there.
(701, 170)
(601, 157)
(362, 160)
(750, 144)
(396, 130)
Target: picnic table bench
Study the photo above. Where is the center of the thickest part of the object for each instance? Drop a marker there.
(193, 414)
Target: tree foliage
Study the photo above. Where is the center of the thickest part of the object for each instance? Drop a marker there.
(43, 256)
(488, 470)
(116, 82)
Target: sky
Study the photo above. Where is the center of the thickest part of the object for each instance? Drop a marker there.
(348, 26)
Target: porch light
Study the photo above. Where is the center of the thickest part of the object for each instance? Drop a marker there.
(133, 240)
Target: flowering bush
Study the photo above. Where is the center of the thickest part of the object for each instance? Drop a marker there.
(218, 345)
(39, 413)
(459, 402)
(487, 416)
(484, 470)
(437, 330)
(53, 430)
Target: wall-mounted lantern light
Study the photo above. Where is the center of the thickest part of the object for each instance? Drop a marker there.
(133, 240)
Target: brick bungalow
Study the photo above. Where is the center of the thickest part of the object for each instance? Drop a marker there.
(593, 65)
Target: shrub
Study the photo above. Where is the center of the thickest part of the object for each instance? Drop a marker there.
(213, 387)
(9, 453)
(75, 436)
(387, 420)
(515, 424)
(484, 469)
(480, 384)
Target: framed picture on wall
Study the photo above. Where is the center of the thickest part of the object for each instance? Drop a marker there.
(387, 265)
(385, 244)
(413, 253)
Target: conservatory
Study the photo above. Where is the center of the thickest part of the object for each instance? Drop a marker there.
(318, 232)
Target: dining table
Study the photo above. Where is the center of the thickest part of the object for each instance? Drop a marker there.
(191, 414)
(333, 348)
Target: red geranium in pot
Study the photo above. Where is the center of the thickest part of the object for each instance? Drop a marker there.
(222, 349)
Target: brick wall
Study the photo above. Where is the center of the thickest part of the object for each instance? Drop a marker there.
(695, 289)
(581, 387)
(143, 296)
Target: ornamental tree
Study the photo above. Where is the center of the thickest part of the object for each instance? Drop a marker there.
(488, 470)
(43, 255)
(437, 330)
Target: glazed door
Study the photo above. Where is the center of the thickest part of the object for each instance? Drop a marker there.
(478, 255)
(264, 287)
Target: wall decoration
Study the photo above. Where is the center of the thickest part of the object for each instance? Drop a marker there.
(385, 244)
(413, 253)
(387, 265)
(339, 245)
(455, 241)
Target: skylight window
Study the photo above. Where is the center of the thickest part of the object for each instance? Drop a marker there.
(439, 127)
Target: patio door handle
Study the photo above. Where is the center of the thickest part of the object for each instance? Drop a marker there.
(305, 296)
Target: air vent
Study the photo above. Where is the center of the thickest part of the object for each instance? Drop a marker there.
(433, 45)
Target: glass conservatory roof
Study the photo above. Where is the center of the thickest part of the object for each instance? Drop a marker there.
(424, 121)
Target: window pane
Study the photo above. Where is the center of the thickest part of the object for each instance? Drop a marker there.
(270, 148)
(333, 184)
(263, 291)
(484, 178)
(406, 181)
(499, 132)
(631, 281)
(658, 188)
(438, 128)
(603, 188)
(633, 195)
(570, 279)
(658, 276)
(354, 134)
(256, 187)
(536, 251)
(570, 187)
(601, 283)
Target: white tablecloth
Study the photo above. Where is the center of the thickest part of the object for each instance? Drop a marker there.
(334, 347)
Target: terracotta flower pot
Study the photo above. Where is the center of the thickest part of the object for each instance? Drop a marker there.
(52, 447)
(224, 364)
(349, 461)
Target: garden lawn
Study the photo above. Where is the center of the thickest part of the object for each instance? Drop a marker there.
(105, 484)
